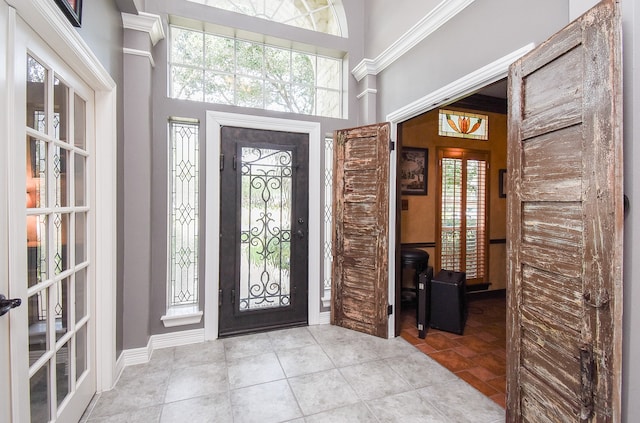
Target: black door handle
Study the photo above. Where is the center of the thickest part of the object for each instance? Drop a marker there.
(7, 304)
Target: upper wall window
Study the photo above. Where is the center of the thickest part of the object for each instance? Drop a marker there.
(228, 70)
(316, 15)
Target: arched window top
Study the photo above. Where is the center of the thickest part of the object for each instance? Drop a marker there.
(317, 15)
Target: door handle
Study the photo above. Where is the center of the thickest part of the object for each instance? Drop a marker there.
(300, 233)
(7, 304)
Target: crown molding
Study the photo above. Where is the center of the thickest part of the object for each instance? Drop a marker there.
(461, 87)
(440, 15)
(142, 53)
(145, 22)
(54, 27)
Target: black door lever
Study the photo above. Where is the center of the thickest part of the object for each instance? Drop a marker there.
(7, 304)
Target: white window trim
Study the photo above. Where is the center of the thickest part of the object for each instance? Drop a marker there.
(214, 121)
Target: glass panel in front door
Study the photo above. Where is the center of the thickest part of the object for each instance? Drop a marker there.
(265, 239)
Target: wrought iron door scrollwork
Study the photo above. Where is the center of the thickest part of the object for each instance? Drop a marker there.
(265, 238)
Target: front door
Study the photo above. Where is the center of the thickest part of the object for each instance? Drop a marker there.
(264, 230)
(49, 231)
(565, 219)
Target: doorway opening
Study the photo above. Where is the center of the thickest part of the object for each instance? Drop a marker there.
(459, 220)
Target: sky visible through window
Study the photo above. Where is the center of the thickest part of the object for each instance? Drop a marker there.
(315, 15)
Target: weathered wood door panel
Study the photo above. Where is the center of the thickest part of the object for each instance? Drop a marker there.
(565, 219)
(360, 233)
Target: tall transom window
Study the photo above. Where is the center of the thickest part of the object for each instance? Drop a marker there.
(228, 70)
(316, 15)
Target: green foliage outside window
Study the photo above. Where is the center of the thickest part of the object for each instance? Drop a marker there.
(216, 69)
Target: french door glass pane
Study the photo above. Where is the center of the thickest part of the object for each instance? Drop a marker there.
(37, 255)
(81, 294)
(61, 235)
(61, 180)
(81, 237)
(38, 308)
(36, 97)
(79, 122)
(60, 105)
(36, 173)
(80, 167)
(81, 351)
(265, 249)
(39, 394)
(62, 308)
(63, 367)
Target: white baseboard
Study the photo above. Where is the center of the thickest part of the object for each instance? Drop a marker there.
(165, 340)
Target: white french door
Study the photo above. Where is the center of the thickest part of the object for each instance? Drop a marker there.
(50, 235)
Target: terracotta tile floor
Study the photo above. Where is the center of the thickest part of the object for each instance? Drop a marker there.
(478, 356)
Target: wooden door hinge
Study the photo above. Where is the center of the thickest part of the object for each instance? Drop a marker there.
(221, 162)
(220, 298)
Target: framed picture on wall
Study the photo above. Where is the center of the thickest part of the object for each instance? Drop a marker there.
(413, 170)
(72, 10)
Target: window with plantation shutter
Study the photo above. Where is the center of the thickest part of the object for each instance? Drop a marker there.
(463, 213)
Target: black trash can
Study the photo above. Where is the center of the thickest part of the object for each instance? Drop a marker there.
(448, 301)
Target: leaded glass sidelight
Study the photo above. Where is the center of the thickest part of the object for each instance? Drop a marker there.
(265, 238)
(184, 179)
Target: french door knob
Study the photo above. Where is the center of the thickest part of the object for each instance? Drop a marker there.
(7, 304)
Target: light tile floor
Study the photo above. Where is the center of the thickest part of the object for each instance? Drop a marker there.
(311, 374)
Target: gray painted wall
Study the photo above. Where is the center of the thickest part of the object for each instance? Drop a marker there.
(102, 31)
(483, 32)
(385, 24)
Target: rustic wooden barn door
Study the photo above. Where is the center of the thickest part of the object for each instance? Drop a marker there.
(565, 214)
(361, 229)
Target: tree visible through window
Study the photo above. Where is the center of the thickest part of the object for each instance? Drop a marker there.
(217, 69)
(463, 213)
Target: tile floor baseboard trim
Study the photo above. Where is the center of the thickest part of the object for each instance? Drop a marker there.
(142, 355)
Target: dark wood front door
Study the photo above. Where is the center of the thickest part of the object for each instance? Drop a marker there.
(264, 230)
(359, 292)
(565, 219)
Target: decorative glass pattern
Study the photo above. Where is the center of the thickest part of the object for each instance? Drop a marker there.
(315, 15)
(184, 177)
(463, 125)
(328, 223)
(265, 238)
(217, 69)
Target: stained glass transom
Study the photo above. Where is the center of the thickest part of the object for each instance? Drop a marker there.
(184, 217)
(315, 15)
